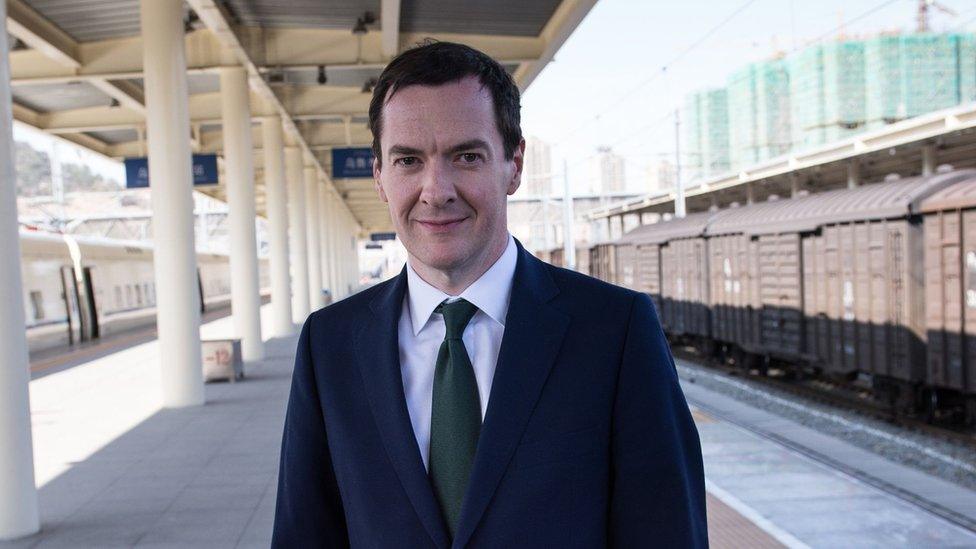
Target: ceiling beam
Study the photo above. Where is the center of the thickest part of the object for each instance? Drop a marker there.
(216, 19)
(35, 30)
(268, 49)
(40, 34)
(390, 25)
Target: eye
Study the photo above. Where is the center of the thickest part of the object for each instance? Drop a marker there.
(469, 158)
(406, 161)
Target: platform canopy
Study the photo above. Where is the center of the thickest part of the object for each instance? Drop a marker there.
(77, 68)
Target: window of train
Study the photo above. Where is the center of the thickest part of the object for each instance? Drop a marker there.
(118, 297)
(152, 291)
(139, 295)
(37, 304)
(128, 295)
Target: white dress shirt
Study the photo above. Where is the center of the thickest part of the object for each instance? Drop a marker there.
(421, 332)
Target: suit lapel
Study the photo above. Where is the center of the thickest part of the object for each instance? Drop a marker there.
(380, 368)
(534, 332)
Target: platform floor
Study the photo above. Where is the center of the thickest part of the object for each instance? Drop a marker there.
(114, 469)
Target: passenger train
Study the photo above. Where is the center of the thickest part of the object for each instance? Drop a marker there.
(79, 289)
(876, 282)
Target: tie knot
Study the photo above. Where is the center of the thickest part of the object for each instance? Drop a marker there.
(457, 314)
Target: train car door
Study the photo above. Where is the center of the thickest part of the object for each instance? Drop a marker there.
(70, 292)
(90, 310)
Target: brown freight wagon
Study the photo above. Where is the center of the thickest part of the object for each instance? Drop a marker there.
(670, 262)
(950, 292)
(837, 277)
(557, 258)
(603, 262)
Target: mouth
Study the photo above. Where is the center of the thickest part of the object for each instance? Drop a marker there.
(440, 225)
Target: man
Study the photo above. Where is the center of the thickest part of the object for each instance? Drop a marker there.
(482, 398)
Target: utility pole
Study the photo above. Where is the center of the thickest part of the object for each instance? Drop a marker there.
(679, 190)
(569, 243)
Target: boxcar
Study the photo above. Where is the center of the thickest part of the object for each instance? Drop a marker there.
(836, 277)
(670, 262)
(950, 291)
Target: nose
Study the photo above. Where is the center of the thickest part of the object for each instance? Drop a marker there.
(438, 188)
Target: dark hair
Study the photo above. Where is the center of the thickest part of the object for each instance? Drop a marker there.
(435, 63)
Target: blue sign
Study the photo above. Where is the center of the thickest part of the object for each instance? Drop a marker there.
(204, 171)
(376, 237)
(352, 162)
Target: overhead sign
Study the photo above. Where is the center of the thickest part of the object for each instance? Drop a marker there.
(352, 162)
(376, 237)
(204, 171)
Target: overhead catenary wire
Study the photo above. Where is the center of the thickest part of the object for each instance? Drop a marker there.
(657, 74)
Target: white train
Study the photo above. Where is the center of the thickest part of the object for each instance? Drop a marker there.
(79, 289)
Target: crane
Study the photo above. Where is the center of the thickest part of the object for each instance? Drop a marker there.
(922, 17)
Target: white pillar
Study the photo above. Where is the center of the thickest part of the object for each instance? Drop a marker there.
(171, 189)
(312, 231)
(296, 233)
(18, 496)
(794, 184)
(239, 169)
(276, 198)
(853, 173)
(334, 238)
(928, 160)
(324, 235)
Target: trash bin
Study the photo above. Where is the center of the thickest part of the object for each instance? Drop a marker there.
(222, 360)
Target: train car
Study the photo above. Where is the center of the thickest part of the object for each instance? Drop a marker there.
(79, 289)
(836, 279)
(950, 296)
(603, 261)
(557, 258)
(670, 262)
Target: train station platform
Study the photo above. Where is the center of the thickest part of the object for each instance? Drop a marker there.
(114, 469)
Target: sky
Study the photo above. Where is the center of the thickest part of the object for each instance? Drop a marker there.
(605, 85)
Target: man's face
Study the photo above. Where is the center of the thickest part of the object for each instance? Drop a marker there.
(444, 173)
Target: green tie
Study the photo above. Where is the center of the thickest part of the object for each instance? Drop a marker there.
(455, 419)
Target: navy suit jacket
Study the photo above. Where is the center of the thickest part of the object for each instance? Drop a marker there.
(587, 440)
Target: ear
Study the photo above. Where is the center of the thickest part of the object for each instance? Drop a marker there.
(518, 158)
(376, 180)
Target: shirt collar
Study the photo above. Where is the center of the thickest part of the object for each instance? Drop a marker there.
(490, 293)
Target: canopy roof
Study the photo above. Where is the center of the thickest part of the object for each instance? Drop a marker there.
(76, 68)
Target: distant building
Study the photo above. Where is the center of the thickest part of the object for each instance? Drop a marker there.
(606, 174)
(659, 177)
(537, 171)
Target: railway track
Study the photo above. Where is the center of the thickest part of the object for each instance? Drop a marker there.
(835, 395)
(830, 412)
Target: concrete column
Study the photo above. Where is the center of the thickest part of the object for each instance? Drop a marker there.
(312, 231)
(296, 234)
(171, 188)
(334, 239)
(750, 193)
(928, 160)
(323, 226)
(239, 169)
(853, 173)
(794, 184)
(18, 497)
(276, 195)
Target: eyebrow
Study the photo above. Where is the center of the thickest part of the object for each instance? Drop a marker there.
(464, 146)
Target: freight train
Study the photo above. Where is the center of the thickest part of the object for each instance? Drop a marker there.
(79, 289)
(875, 283)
